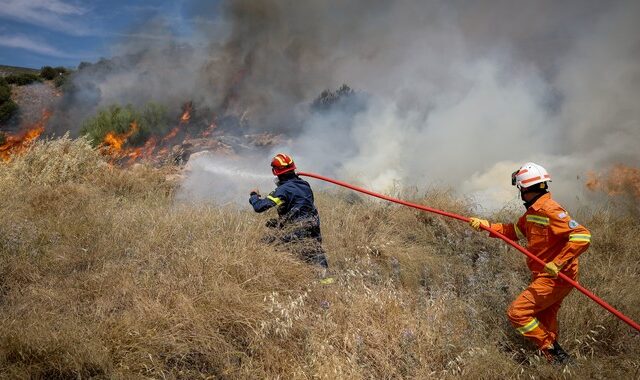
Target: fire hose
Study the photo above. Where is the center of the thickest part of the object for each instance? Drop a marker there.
(515, 245)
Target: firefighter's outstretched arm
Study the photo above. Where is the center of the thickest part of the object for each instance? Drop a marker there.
(512, 231)
(263, 204)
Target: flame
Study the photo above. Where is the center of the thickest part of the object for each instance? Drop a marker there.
(172, 134)
(149, 147)
(114, 141)
(618, 180)
(134, 154)
(207, 132)
(19, 142)
(143, 152)
(186, 114)
(157, 147)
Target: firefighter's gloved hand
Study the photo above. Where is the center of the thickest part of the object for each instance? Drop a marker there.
(272, 223)
(476, 222)
(255, 191)
(552, 269)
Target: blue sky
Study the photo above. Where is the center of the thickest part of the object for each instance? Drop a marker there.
(35, 33)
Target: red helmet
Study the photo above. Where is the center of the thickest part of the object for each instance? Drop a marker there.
(282, 163)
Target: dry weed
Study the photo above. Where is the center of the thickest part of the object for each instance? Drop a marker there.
(103, 275)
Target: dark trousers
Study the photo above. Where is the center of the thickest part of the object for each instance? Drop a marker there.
(303, 239)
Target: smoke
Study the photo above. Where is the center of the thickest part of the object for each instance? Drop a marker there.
(450, 93)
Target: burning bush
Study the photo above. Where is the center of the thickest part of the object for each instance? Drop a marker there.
(151, 120)
(14, 144)
(77, 160)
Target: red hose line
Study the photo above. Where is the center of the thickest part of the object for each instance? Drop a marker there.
(515, 245)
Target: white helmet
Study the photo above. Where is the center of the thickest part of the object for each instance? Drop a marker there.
(528, 175)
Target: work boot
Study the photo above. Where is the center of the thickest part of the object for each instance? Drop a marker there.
(556, 355)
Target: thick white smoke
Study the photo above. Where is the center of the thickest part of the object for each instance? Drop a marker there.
(453, 93)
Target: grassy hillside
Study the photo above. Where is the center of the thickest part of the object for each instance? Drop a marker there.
(9, 70)
(102, 274)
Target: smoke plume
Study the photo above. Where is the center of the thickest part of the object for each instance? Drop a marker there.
(449, 93)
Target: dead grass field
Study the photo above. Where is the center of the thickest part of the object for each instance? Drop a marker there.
(104, 275)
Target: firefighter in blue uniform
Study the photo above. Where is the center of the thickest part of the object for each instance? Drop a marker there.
(298, 222)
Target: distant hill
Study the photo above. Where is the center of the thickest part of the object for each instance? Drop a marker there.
(8, 70)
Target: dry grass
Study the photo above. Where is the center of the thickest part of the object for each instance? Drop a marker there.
(103, 275)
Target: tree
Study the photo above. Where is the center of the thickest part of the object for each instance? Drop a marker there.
(328, 99)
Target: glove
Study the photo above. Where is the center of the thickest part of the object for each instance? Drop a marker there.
(255, 191)
(552, 269)
(476, 222)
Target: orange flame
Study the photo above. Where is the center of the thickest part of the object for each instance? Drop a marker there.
(207, 132)
(114, 141)
(149, 147)
(186, 114)
(169, 136)
(144, 151)
(156, 147)
(18, 143)
(618, 180)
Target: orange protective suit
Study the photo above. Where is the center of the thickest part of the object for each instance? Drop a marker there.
(552, 235)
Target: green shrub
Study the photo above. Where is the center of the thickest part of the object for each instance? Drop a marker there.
(60, 80)
(155, 119)
(48, 73)
(22, 79)
(57, 74)
(152, 119)
(7, 110)
(7, 106)
(5, 92)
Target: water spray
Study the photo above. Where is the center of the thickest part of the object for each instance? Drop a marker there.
(515, 245)
(231, 172)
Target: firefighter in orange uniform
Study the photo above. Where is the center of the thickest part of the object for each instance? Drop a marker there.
(558, 240)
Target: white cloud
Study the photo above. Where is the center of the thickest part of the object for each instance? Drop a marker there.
(52, 14)
(26, 43)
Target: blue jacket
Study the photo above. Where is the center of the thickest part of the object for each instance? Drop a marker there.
(294, 199)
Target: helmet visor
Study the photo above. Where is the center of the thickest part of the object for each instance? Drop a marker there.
(513, 177)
